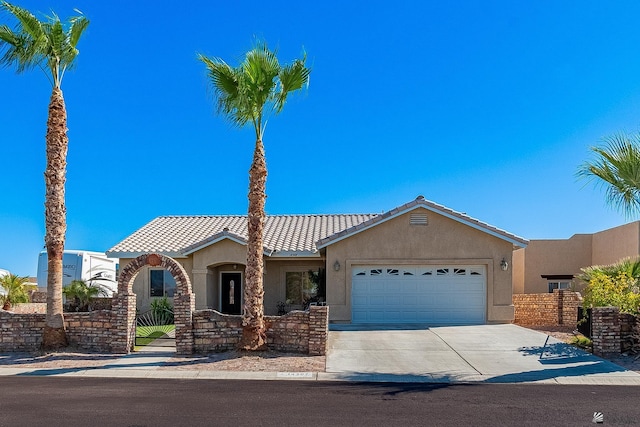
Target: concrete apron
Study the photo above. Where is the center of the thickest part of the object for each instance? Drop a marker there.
(482, 353)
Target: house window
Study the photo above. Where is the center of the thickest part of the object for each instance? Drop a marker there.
(162, 283)
(558, 285)
(302, 286)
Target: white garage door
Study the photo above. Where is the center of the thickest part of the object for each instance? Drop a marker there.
(435, 295)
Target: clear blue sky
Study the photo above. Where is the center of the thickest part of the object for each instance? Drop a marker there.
(485, 107)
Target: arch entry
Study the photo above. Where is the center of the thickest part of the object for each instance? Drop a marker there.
(124, 303)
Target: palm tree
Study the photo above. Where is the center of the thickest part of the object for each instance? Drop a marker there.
(617, 167)
(15, 289)
(81, 294)
(51, 46)
(247, 94)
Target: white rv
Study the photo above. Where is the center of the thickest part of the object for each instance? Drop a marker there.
(2, 274)
(92, 267)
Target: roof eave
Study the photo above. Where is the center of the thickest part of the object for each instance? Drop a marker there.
(430, 206)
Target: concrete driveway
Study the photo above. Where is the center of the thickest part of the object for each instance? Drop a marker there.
(489, 353)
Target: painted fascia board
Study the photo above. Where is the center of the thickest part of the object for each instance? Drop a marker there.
(123, 254)
(519, 242)
(295, 254)
(222, 236)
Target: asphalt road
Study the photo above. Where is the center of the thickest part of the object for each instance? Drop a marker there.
(42, 401)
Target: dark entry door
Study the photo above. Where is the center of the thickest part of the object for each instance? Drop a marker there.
(231, 297)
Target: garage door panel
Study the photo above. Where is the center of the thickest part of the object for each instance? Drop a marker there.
(438, 295)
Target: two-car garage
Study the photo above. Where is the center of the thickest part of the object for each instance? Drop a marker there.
(427, 294)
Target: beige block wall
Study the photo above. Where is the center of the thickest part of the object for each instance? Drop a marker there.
(562, 256)
(442, 241)
(612, 245)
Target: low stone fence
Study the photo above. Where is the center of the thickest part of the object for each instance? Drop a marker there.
(20, 332)
(296, 331)
(88, 331)
(611, 331)
(551, 309)
(97, 331)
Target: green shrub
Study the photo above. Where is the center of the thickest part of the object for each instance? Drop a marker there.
(581, 342)
(620, 290)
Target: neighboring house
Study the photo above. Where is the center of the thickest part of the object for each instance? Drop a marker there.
(545, 265)
(418, 263)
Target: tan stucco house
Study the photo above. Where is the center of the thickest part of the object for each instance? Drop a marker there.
(545, 265)
(418, 263)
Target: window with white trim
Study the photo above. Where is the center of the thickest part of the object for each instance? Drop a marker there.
(558, 284)
(161, 283)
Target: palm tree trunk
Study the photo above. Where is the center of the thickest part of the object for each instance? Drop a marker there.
(54, 335)
(253, 332)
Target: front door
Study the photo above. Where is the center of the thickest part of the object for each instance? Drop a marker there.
(231, 293)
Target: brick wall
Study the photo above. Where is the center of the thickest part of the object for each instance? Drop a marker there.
(296, 331)
(551, 309)
(605, 330)
(106, 331)
(92, 331)
(20, 332)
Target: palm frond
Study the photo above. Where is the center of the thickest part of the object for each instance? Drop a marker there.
(49, 44)
(259, 85)
(616, 167)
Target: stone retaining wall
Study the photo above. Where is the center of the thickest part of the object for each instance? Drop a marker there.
(551, 309)
(208, 330)
(20, 332)
(611, 331)
(296, 331)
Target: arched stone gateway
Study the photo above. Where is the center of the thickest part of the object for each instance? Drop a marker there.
(124, 303)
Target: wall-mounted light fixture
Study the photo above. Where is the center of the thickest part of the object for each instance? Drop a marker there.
(336, 266)
(235, 266)
(504, 265)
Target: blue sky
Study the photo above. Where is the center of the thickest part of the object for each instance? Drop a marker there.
(485, 107)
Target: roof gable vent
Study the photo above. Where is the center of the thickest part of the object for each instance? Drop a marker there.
(418, 219)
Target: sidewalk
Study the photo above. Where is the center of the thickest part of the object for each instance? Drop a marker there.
(424, 358)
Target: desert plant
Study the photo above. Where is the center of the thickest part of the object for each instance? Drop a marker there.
(162, 311)
(15, 290)
(80, 294)
(630, 266)
(620, 291)
(581, 341)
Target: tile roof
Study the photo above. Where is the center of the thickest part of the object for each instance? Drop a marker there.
(420, 201)
(181, 235)
(178, 236)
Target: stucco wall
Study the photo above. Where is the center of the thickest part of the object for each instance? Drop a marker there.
(560, 257)
(611, 245)
(442, 241)
(205, 266)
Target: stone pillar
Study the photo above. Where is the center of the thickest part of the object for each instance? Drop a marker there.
(123, 323)
(183, 308)
(605, 332)
(318, 330)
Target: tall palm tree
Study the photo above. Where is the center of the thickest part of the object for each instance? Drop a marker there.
(51, 46)
(248, 94)
(616, 166)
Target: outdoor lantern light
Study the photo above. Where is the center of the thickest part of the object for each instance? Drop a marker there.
(336, 266)
(504, 265)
